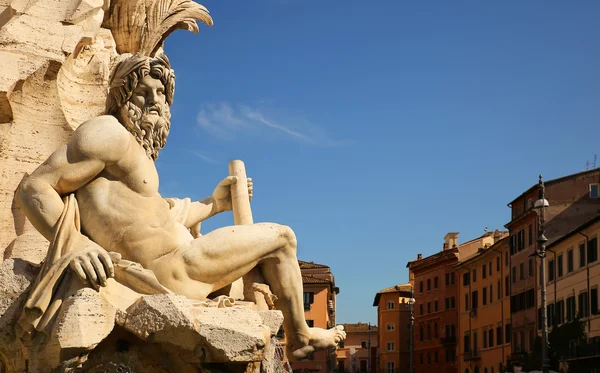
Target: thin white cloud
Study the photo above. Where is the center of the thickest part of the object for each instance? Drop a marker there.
(204, 157)
(226, 121)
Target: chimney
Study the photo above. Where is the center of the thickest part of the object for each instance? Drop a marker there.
(419, 256)
(450, 240)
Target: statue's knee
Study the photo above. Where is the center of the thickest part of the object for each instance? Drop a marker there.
(290, 237)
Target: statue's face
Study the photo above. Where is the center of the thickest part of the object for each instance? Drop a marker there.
(149, 95)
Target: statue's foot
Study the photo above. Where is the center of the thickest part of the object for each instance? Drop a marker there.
(318, 339)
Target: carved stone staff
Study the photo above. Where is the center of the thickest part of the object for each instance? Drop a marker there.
(251, 287)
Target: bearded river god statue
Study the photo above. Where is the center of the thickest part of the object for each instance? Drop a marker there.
(127, 281)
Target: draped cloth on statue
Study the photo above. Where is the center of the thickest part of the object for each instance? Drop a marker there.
(55, 279)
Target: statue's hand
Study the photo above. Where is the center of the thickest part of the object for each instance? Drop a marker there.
(93, 265)
(222, 193)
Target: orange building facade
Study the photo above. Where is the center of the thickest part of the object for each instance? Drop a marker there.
(358, 352)
(319, 310)
(571, 204)
(393, 318)
(436, 301)
(484, 308)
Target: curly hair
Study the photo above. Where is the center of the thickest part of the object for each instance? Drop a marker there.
(130, 71)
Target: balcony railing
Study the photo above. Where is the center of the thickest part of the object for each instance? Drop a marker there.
(451, 340)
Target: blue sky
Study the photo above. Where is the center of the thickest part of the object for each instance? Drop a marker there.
(374, 128)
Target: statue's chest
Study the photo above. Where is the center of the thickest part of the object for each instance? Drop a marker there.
(139, 173)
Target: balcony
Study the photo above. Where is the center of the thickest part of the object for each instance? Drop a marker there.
(473, 312)
(472, 355)
(446, 341)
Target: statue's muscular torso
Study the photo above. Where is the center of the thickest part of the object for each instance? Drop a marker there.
(121, 209)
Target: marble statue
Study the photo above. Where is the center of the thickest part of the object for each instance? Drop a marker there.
(96, 200)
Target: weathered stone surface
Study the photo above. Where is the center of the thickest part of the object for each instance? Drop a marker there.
(85, 320)
(16, 276)
(212, 334)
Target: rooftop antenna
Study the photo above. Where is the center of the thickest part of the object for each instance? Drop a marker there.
(485, 229)
(587, 165)
(595, 158)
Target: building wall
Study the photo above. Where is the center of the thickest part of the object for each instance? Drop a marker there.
(359, 344)
(491, 316)
(570, 206)
(573, 283)
(430, 323)
(398, 319)
(319, 314)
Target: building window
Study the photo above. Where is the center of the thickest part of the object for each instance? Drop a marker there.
(485, 339)
(466, 302)
(363, 344)
(583, 304)
(530, 269)
(560, 312)
(593, 250)
(497, 264)
(594, 301)
(594, 190)
(474, 299)
(447, 278)
(506, 286)
(390, 327)
(421, 309)
(514, 274)
(428, 307)
(490, 268)
(421, 333)
(309, 298)
(491, 337)
(435, 306)
(499, 335)
(491, 294)
(530, 234)
(571, 309)
(484, 296)
(559, 265)
(428, 284)
(499, 290)
(551, 270)
(447, 303)
(421, 287)
(466, 278)
(483, 271)
(428, 331)
(390, 367)
(582, 255)
(570, 261)
(507, 333)
(390, 305)
(452, 280)
(390, 346)
(435, 282)
(435, 330)
(475, 275)
(452, 302)
(521, 271)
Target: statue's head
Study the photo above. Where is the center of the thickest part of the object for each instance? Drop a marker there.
(140, 94)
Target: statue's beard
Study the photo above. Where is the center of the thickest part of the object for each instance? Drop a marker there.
(150, 130)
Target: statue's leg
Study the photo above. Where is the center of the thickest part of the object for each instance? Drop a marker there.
(224, 255)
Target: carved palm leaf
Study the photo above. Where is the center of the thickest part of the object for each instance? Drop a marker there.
(141, 26)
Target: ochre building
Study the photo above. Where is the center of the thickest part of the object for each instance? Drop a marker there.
(358, 353)
(484, 308)
(436, 301)
(393, 318)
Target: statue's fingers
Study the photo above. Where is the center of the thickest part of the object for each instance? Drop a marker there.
(90, 272)
(99, 268)
(76, 267)
(228, 181)
(108, 264)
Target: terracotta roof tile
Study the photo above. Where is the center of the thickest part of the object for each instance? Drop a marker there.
(311, 265)
(359, 328)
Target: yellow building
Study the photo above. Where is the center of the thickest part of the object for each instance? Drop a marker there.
(393, 318)
(359, 348)
(484, 308)
(573, 277)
